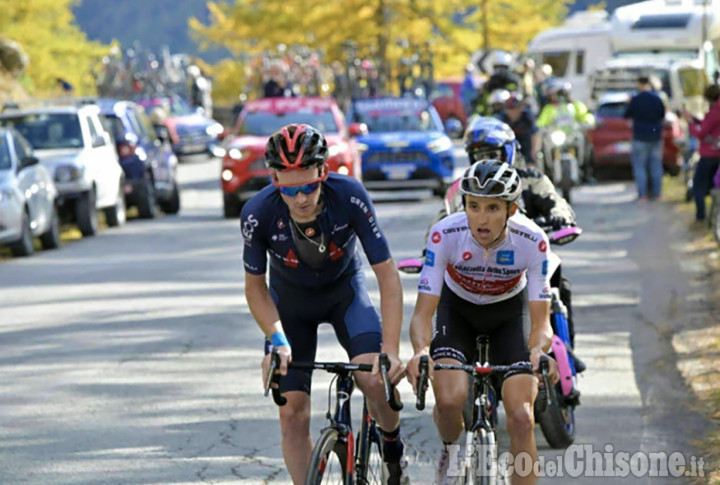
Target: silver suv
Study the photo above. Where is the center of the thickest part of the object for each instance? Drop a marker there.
(72, 143)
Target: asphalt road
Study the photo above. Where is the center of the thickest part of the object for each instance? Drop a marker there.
(131, 357)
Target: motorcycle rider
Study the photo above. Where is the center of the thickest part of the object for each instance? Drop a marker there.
(561, 104)
(502, 78)
(490, 138)
(519, 116)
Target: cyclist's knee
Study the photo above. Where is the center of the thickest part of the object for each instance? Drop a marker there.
(295, 414)
(520, 421)
(450, 397)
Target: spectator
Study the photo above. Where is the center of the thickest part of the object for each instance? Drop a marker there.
(707, 132)
(646, 112)
(468, 89)
(273, 87)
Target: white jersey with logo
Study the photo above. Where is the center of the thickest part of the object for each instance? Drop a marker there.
(485, 276)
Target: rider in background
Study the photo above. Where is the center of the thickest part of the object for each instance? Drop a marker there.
(485, 267)
(308, 223)
(519, 116)
(501, 78)
(560, 106)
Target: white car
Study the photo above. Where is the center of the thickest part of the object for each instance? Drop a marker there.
(27, 197)
(73, 144)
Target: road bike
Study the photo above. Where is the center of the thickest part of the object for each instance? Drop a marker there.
(338, 456)
(478, 464)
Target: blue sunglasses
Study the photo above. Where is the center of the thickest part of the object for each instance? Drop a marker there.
(306, 189)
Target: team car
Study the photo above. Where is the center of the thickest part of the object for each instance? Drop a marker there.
(406, 145)
(244, 172)
(192, 134)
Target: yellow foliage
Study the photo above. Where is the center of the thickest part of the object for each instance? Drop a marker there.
(254, 26)
(56, 46)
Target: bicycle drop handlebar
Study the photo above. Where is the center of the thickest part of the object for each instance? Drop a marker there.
(273, 379)
(475, 370)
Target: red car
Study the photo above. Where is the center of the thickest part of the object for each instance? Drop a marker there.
(243, 171)
(611, 139)
(447, 100)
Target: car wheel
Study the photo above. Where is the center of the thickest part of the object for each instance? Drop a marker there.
(50, 239)
(86, 214)
(172, 205)
(24, 245)
(231, 206)
(116, 215)
(147, 208)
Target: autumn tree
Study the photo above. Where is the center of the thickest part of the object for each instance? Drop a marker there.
(55, 45)
(453, 28)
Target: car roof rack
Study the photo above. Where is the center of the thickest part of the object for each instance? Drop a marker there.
(39, 103)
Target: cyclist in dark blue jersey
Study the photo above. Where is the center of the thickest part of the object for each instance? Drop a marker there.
(307, 224)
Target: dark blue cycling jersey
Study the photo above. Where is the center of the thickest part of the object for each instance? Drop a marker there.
(346, 215)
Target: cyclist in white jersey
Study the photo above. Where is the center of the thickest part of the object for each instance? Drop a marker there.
(484, 268)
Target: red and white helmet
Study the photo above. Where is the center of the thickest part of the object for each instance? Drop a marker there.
(295, 147)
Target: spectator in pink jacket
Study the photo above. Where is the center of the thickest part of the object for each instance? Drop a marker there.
(707, 131)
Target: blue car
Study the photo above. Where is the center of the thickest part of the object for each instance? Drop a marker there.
(149, 164)
(406, 145)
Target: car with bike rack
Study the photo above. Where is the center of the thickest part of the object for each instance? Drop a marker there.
(68, 137)
(406, 146)
(192, 134)
(149, 164)
(244, 172)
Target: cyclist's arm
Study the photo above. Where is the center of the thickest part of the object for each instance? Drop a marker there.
(540, 330)
(538, 286)
(391, 305)
(261, 305)
(421, 321)
(544, 198)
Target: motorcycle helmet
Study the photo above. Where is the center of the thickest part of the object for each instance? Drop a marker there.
(295, 147)
(502, 60)
(498, 97)
(490, 138)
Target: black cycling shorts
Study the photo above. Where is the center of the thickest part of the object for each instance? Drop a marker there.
(459, 322)
(345, 304)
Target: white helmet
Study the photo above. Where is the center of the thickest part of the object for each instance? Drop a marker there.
(499, 96)
(502, 59)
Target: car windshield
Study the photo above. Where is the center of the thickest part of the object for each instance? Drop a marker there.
(4, 154)
(263, 124)
(47, 131)
(393, 121)
(611, 110)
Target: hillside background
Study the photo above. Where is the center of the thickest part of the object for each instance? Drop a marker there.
(165, 22)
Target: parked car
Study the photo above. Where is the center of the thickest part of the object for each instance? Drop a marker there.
(27, 197)
(243, 169)
(192, 134)
(149, 164)
(73, 145)
(406, 145)
(447, 100)
(611, 139)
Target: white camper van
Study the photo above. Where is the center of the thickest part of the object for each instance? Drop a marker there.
(682, 29)
(575, 49)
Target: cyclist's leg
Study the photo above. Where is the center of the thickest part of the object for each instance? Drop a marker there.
(357, 326)
(453, 342)
(358, 329)
(507, 346)
(301, 331)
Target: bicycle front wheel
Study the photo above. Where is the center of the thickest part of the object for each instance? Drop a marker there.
(369, 467)
(328, 463)
(481, 467)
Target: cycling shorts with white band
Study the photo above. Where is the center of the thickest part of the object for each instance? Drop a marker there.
(458, 323)
(453, 257)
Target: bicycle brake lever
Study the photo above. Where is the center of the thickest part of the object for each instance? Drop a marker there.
(390, 397)
(274, 378)
(422, 383)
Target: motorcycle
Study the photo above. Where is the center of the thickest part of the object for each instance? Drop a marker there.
(564, 148)
(557, 420)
